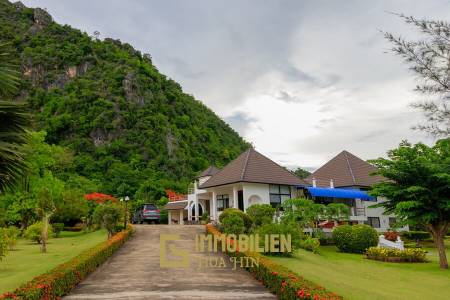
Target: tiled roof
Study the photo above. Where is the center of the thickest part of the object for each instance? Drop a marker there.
(252, 166)
(175, 205)
(345, 169)
(210, 171)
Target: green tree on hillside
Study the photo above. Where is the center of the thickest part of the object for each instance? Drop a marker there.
(418, 188)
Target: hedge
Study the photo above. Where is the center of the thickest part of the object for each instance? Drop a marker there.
(279, 279)
(62, 279)
(396, 255)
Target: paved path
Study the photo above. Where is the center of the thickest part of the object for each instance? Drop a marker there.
(134, 273)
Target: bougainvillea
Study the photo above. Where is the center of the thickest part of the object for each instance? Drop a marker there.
(100, 198)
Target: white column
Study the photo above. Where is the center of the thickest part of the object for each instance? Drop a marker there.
(189, 211)
(170, 217)
(196, 207)
(214, 202)
(181, 217)
(235, 197)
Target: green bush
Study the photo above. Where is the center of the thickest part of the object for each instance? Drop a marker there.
(261, 214)
(310, 244)
(11, 234)
(57, 228)
(61, 280)
(34, 232)
(363, 237)
(282, 228)
(355, 239)
(416, 235)
(204, 217)
(108, 216)
(229, 211)
(342, 237)
(233, 224)
(3, 243)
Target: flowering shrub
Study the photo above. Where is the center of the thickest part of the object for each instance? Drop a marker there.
(391, 235)
(60, 280)
(396, 255)
(279, 279)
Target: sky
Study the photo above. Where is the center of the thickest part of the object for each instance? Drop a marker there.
(300, 80)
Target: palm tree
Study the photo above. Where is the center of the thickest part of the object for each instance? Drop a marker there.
(13, 121)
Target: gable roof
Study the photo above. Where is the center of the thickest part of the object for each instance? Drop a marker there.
(210, 171)
(252, 166)
(345, 169)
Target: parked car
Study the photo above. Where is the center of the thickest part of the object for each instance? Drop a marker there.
(146, 213)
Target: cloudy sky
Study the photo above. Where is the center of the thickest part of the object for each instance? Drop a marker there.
(301, 80)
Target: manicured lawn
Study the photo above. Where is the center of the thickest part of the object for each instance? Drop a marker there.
(354, 277)
(22, 264)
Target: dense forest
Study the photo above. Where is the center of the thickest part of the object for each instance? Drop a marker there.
(125, 128)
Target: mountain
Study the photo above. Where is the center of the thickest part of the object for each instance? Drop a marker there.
(128, 125)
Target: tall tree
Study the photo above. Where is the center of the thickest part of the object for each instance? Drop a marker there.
(13, 119)
(418, 188)
(429, 58)
(302, 173)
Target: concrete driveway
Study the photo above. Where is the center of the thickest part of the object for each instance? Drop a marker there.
(134, 273)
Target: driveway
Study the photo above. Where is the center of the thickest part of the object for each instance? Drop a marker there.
(133, 272)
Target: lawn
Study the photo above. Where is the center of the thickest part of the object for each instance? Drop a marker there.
(354, 277)
(22, 264)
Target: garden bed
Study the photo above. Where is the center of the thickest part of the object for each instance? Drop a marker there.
(279, 279)
(411, 255)
(60, 280)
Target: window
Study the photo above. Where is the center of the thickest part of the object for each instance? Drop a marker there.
(278, 194)
(223, 201)
(392, 222)
(374, 222)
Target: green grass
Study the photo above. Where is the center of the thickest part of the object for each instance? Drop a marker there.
(26, 262)
(355, 277)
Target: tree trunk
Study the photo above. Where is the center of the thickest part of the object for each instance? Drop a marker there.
(438, 232)
(44, 234)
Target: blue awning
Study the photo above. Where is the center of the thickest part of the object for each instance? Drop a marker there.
(339, 193)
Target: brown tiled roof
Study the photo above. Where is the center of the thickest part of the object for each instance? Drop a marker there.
(252, 166)
(212, 170)
(175, 205)
(345, 169)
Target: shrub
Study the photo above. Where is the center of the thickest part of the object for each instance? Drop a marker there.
(310, 244)
(233, 224)
(355, 239)
(396, 255)
(107, 216)
(342, 237)
(57, 228)
(229, 211)
(59, 281)
(282, 228)
(3, 244)
(416, 235)
(204, 218)
(34, 232)
(261, 214)
(279, 279)
(11, 234)
(391, 235)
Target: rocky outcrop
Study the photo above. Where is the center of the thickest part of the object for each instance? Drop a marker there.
(41, 19)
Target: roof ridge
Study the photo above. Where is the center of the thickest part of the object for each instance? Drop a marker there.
(245, 164)
(349, 166)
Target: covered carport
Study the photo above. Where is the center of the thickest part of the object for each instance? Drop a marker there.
(176, 212)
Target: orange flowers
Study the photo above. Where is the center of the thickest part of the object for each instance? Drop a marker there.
(100, 198)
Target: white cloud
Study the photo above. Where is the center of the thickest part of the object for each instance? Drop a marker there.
(302, 80)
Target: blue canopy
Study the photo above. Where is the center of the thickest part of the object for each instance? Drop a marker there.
(339, 193)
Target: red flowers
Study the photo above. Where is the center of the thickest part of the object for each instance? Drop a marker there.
(99, 197)
(301, 294)
(274, 273)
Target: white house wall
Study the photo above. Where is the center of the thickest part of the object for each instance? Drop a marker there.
(258, 190)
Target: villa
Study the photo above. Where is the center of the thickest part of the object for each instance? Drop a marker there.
(252, 178)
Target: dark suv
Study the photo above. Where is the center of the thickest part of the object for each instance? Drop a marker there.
(146, 213)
